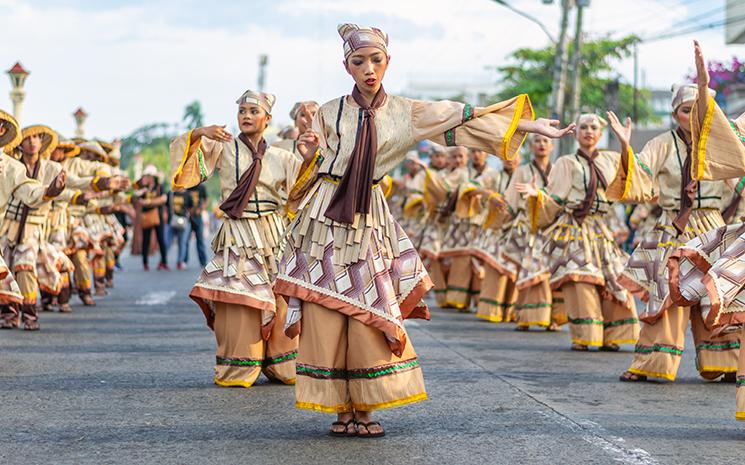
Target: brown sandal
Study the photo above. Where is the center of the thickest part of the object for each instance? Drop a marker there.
(31, 326)
(610, 348)
(345, 433)
(580, 348)
(367, 428)
(522, 328)
(629, 377)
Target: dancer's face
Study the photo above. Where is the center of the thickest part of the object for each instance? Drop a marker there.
(588, 134)
(3, 128)
(305, 116)
(252, 119)
(438, 160)
(541, 146)
(683, 116)
(367, 67)
(478, 158)
(31, 145)
(58, 155)
(458, 157)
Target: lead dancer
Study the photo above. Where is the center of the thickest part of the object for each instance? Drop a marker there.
(349, 270)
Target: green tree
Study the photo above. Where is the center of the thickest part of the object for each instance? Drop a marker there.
(193, 117)
(530, 72)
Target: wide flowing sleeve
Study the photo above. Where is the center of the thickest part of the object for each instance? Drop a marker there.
(718, 144)
(492, 129)
(192, 162)
(17, 184)
(81, 183)
(550, 201)
(635, 180)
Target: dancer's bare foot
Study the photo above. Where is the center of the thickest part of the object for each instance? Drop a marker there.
(552, 327)
(344, 425)
(629, 377)
(366, 427)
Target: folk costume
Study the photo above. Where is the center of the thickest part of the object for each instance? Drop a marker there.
(522, 257)
(22, 238)
(708, 269)
(584, 261)
(234, 290)
(662, 170)
(351, 274)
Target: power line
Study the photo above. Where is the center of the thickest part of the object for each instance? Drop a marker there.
(528, 17)
(714, 25)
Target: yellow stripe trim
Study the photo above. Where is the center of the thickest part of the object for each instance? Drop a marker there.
(180, 169)
(323, 408)
(522, 99)
(740, 416)
(233, 383)
(492, 319)
(621, 341)
(653, 374)
(729, 369)
(703, 139)
(586, 343)
(629, 173)
(391, 404)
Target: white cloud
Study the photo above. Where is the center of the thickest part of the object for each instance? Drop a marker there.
(132, 65)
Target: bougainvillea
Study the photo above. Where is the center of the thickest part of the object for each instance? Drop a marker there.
(724, 78)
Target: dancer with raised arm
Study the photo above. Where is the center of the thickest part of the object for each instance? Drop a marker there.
(662, 170)
(235, 288)
(584, 261)
(350, 273)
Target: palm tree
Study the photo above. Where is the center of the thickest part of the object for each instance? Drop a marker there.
(193, 115)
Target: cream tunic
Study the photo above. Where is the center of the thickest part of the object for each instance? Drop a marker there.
(246, 249)
(369, 269)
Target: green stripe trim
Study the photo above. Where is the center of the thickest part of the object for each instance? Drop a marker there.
(734, 129)
(461, 289)
(722, 346)
(738, 189)
(336, 374)
(643, 166)
(384, 371)
(585, 321)
(740, 382)
(525, 306)
(495, 302)
(282, 358)
(628, 321)
(657, 348)
(237, 362)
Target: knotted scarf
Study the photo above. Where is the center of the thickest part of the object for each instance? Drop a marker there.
(544, 174)
(236, 202)
(353, 193)
(592, 186)
(688, 188)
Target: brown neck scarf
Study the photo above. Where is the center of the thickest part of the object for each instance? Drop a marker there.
(236, 202)
(353, 193)
(592, 186)
(544, 174)
(688, 188)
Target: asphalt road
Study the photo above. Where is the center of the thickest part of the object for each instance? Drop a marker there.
(130, 382)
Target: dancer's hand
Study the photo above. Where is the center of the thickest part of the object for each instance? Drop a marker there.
(529, 189)
(622, 132)
(57, 185)
(702, 72)
(546, 127)
(214, 132)
(307, 144)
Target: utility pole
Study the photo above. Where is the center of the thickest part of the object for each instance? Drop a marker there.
(561, 60)
(263, 61)
(577, 59)
(635, 113)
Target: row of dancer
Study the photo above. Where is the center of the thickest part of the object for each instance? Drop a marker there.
(57, 205)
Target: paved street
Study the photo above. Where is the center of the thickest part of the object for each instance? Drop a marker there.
(130, 382)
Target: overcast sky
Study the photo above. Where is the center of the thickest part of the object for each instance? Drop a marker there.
(129, 63)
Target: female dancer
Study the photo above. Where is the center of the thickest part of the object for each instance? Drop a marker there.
(348, 269)
(584, 260)
(235, 289)
(662, 170)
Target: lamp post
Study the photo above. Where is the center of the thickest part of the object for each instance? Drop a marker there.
(80, 116)
(18, 77)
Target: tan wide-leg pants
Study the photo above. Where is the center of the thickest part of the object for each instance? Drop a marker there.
(597, 322)
(242, 354)
(660, 347)
(497, 297)
(345, 365)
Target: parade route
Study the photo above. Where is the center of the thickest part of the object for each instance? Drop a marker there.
(130, 382)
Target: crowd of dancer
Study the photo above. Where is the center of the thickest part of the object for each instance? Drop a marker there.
(322, 255)
(58, 202)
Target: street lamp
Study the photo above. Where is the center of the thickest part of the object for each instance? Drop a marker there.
(18, 77)
(80, 116)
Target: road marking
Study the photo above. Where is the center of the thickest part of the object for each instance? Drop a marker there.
(156, 298)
